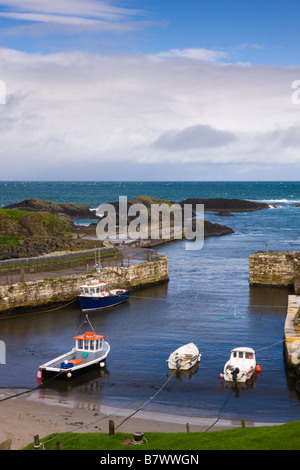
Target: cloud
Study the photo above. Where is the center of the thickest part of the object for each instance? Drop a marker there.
(82, 113)
(83, 14)
(82, 8)
(195, 54)
(193, 137)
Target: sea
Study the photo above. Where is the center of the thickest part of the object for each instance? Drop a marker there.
(207, 301)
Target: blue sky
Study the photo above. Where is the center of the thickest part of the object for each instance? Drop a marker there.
(149, 89)
(262, 32)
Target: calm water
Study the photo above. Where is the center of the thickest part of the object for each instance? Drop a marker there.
(208, 301)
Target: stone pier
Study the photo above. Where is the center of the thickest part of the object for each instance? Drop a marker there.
(292, 335)
(62, 289)
(278, 269)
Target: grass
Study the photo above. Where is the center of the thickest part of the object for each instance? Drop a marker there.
(9, 240)
(14, 213)
(279, 437)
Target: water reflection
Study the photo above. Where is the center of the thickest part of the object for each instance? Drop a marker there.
(181, 375)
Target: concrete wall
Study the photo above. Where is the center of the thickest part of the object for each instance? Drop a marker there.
(60, 289)
(292, 335)
(274, 268)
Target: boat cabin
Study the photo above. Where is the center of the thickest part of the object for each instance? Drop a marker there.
(89, 342)
(241, 354)
(94, 288)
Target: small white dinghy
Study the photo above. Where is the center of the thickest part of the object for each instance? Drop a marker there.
(184, 357)
(241, 365)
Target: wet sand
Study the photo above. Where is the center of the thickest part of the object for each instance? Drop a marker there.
(27, 415)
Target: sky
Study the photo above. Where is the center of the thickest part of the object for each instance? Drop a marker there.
(149, 90)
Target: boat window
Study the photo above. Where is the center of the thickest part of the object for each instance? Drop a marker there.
(86, 344)
(92, 345)
(92, 291)
(100, 343)
(86, 290)
(97, 290)
(241, 355)
(249, 355)
(97, 344)
(79, 344)
(234, 354)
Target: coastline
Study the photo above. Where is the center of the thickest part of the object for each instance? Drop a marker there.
(24, 416)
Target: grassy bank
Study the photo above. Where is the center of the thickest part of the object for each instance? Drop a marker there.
(279, 437)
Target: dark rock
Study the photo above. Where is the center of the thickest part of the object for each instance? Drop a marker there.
(221, 204)
(224, 214)
(81, 211)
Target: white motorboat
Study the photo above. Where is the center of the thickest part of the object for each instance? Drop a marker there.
(241, 365)
(184, 357)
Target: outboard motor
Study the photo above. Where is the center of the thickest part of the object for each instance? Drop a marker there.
(178, 361)
(234, 374)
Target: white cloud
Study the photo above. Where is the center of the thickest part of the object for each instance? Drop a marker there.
(195, 54)
(82, 8)
(80, 112)
(91, 15)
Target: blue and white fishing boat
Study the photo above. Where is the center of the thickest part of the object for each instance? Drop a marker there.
(96, 296)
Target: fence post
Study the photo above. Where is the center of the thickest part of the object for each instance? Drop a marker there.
(111, 425)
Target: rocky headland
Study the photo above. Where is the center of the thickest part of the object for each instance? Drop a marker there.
(34, 227)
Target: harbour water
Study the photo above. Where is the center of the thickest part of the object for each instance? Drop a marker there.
(207, 300)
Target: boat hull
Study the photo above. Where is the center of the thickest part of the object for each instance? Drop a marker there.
(68, 374)
(184, 358)
(74, 366)
(99, 303)
(242, 377)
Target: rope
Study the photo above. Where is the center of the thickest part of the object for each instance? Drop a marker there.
(223, 406)
(274, 344)
(30, 390)
(151, 398)
(39, 311)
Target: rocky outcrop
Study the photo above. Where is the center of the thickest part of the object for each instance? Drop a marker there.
(25, 234)
(81, 211)
(229, 205)
(216, 230)
(14, 222)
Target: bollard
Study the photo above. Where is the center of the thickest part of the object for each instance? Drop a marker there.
(243, 423)
(111, 427)
(37, 444)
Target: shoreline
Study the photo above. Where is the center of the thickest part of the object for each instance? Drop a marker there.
(24, 416)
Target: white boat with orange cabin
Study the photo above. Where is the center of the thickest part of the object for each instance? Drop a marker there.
(91, 350)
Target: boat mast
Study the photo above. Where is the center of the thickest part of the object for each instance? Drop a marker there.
(97, 262)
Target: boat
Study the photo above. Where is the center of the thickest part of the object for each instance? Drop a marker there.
(185, 357)
(91, 350)
(96, 295)
(241, 366)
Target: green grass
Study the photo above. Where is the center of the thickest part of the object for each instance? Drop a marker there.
(9, 240)
(14, 213)
(279, 437)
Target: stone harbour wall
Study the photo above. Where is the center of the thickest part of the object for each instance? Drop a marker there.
(60, 289)
(292, 336)
(274, 268)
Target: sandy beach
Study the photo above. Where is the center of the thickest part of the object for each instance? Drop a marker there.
(31, 414)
